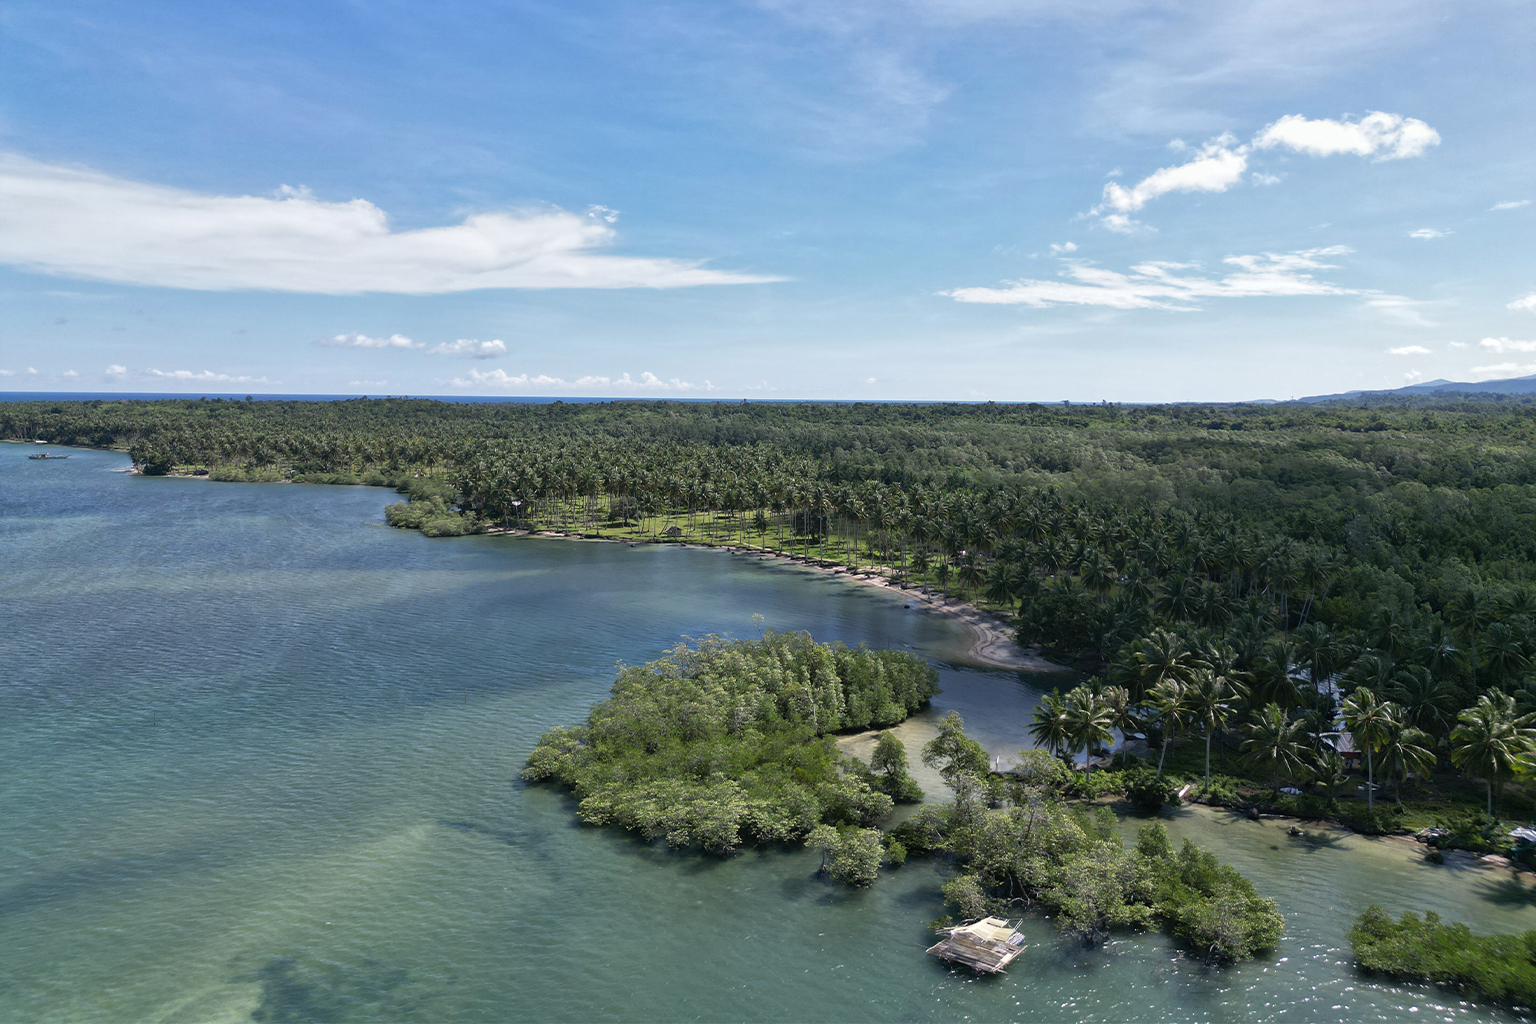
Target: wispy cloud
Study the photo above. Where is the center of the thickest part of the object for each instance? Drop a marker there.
(501, 380)
(207, 377)
(1528, 303)
(1512, 204)
(80, 223)
(472, 348)
(1157, 285)
(366, 383)
(1502, 345)
(1409, 350)
(1399, 309)
(1506, 369)
(1428, 233)
(364, 341)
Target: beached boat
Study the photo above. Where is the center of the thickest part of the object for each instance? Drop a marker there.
(987, 946)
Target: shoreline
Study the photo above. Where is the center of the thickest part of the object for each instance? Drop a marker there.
(992, 645)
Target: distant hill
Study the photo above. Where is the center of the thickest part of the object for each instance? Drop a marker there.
(1507, 386)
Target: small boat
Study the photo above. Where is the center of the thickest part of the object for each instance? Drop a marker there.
(44, 455)
(987, 946)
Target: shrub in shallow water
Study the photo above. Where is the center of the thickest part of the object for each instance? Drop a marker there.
(850, 855)
(1499, 968)
(1146, 791)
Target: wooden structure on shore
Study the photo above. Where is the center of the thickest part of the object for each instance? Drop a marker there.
(987, 946)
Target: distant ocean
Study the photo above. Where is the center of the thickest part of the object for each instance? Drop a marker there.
(146, 396)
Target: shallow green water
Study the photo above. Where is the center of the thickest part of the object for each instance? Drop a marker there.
(258, 759)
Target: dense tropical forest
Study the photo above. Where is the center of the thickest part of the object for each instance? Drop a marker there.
(1245, 582)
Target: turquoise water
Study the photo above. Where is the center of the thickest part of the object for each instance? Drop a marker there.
(259, 755)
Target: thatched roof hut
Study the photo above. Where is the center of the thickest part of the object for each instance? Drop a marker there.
(986, 946)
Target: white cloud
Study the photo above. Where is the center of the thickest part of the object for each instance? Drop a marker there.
(1513, 204)
(1506, 369)
(1413, 376)
(472, 348)
(1409, 350)
(1457, 344)
(1380, 135)
(1216, 167)
(497, 380)
(115, 370)
(1064, 247)
(207, 376)
(7, 373)
(1428, 233)
(80, 223)
(32, 369)
(366, 383)
(364, 341)
(1502, 345)
(1527, 303)
(1154, 285)
(1261, 178)
(70, 373)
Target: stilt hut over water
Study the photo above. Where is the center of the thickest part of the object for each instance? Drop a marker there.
(986, 946)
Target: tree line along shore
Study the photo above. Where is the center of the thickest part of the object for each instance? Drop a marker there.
(1322, 610)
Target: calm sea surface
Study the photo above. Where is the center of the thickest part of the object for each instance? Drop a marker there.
(259, 756)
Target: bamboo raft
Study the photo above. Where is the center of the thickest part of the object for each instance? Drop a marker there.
(987, 946)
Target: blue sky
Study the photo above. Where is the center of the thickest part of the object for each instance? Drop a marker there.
(926, 199)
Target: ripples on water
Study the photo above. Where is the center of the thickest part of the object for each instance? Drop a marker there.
(260, 759)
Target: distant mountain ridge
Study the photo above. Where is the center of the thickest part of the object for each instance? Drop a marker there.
(1505, 386)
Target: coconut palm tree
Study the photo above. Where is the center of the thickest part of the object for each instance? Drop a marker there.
(1160, 656)
(1090, 722)
(1469, 612)
(1274, 742)
(1492, 740)
(1406, 751)
(1369, 719)
(1048, 725)
(1329, 773)
(1211, 696)
(1174, 714)
(1504, 653)
(1429, 703)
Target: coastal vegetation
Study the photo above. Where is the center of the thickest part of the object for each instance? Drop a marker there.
(1335, 599)
(1496, 968)
(1020, 839)
(726, 742)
